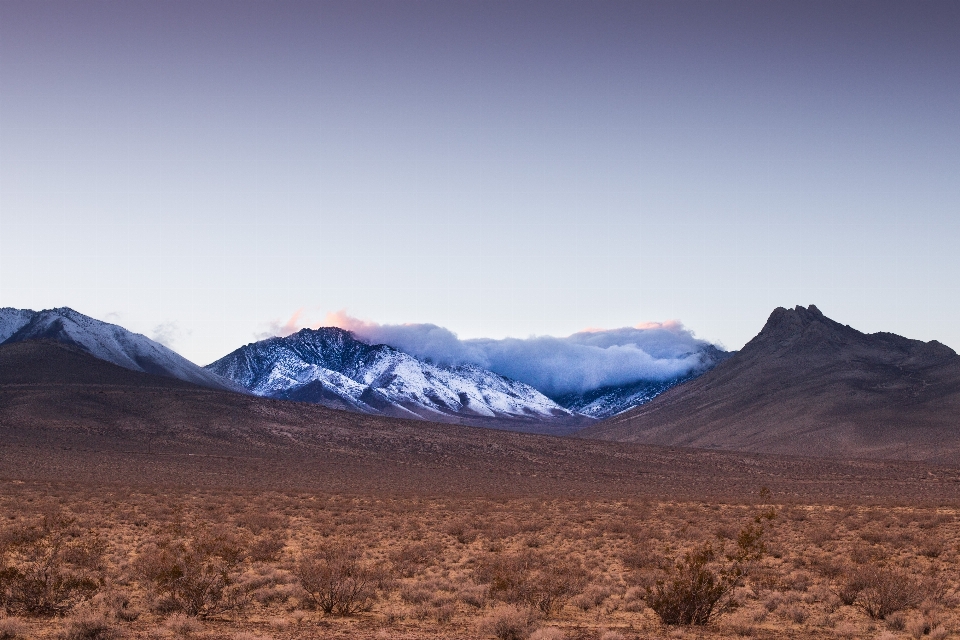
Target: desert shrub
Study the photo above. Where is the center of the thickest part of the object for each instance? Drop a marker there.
(193, 574)
(117, 604)
(821, 535)
(640, 555)
(531, 578)
(444, 611)
(181, 625)
(48, 568)
(934, 520)
(499, 530)
(886, 591)
(415, 593)
(797, 581)
(507, 622)
(850, 587)
(473, 595)
(266, 549)
(827, 566)
(874, 535)
(548, 633)
(411, 558)
(931, 547)
(462, 531)
(773, 603)
(695, 592)
(592, 597)
(766, 579)
(750, 541)
(336, 581)
(897, 622)
(12, 629)
(91, 626)
(260, 521)
(633, 600)
(864, 554)
(700, 586)
(796, 613)
(922, 627)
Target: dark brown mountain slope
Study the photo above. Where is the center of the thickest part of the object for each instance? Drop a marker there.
(807, 385)
(66, 417)
(50, 362)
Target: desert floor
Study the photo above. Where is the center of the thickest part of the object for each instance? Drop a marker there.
(213, 563)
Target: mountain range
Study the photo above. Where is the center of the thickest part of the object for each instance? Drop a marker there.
(70, 419)
(333, 368)
(805, 385)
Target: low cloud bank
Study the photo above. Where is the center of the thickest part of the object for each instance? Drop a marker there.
(556, 366)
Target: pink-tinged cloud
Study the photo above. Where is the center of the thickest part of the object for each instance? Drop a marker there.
(283, 328)
(342, 320)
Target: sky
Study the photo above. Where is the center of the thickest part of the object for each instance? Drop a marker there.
(204, 172)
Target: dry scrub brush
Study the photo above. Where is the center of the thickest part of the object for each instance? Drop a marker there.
(303, 561)
(48, 567)
(699, 587)
(89, 626)
(507, 622)
(193, 573)
(337, 581)
(881, 591)
(533, 579)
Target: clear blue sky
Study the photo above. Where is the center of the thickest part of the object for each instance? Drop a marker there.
(497, 168)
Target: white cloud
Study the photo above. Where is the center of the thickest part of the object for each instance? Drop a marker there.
(572, 364)
(168, 333)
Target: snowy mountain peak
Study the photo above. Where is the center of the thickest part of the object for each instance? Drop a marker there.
(106, 341)
(330, 366)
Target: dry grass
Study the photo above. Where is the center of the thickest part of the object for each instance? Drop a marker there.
(190, 564)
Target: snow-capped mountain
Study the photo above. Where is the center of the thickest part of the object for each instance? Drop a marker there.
(609, 401)
(12, 320)
(105, 341)
(329, 366)
(604, 402)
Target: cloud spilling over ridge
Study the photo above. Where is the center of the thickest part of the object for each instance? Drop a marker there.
(168, 333)
(556, 366)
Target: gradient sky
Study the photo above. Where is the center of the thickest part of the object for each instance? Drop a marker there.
(198, 170)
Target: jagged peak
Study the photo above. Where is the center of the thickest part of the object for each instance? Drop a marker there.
(801, 325)
(806, 330)
(798, 314)
(307, 331)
